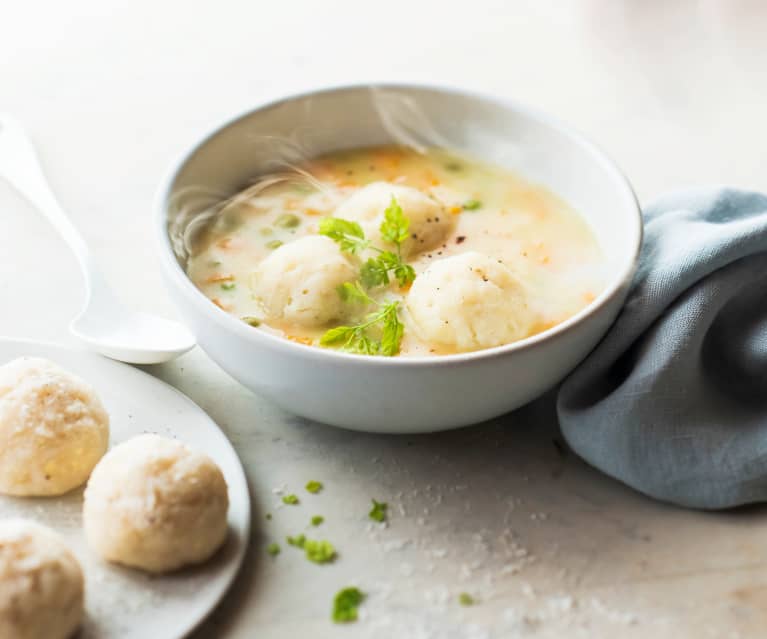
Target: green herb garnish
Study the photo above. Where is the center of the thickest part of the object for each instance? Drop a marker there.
(273, 549)
(345, 604)
(353, 292)
(320, 552)
(378, 511)
(379, 333)
(214, 263)
(298, 541)
(376, 270)
(453, 166)
(251, 321)
(228, 286)
(287, 221)
(290, 500)
(348, 235)
(313, 486)
(465, 599)
(471, 205)
(274, 244)
(317, 520)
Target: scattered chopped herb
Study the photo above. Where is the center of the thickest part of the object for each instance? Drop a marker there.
(251, 321)
(345, 604)
(317, 520)
(214, 263)
(290, 500)
(287, 221)
(273, 549)
(274, 244)
(357, 338)
(228, 286)
(266, 230)
(471, 205)
(378, 511)
(453, 166)
(465, 599)
(320, 552)
(268, 516)
(313, 486)
(298, 541)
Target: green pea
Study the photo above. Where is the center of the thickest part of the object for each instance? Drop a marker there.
(274, 244)
(287, 221)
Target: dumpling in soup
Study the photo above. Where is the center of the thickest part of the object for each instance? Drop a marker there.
(467, 302)
(298, 282)
(430, 223)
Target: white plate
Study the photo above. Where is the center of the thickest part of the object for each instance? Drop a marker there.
(121, 602)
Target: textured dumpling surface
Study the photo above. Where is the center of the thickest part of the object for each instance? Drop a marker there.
(430, 223)
(153, 503)
(41, 583)
(299, 282)
(468, 302)
(53, 428)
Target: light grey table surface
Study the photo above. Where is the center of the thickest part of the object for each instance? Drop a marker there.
(676, 92)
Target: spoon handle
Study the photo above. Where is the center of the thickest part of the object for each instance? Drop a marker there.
(20, 166)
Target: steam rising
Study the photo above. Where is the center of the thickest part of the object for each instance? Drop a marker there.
(192, 209)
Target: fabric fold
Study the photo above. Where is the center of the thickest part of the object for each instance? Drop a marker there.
(673, 401)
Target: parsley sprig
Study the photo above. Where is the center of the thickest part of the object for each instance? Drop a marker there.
(378, 270)
(360, 338)
(379, 332)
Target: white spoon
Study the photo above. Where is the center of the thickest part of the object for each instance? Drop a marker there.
(104, 324)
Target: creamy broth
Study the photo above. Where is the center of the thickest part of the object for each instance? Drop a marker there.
(545, 243)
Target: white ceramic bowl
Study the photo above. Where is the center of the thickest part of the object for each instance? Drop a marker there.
(404, 395)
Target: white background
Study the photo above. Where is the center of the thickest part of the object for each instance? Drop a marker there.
(674, 91)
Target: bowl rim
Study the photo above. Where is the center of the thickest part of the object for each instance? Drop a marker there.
(616, 286)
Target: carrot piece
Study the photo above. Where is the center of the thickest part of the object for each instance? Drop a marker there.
(218, 277)
(220, 304)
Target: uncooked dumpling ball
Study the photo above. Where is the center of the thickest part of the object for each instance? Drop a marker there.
(298, 282)
(41, 583)
(53, 428)
(430, 223)
(154, 503)
(468, 302)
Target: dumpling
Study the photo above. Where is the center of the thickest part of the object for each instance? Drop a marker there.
(299, 282)
(430, 223)
(469, 302)
(42, 589)
(155, 504)
(53, 428)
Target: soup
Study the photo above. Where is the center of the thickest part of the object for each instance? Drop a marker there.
(388, 251)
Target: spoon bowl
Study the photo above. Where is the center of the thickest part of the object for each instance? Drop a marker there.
(104, 324)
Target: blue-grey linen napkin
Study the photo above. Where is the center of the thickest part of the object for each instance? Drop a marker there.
(673, 401)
